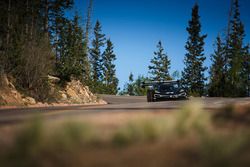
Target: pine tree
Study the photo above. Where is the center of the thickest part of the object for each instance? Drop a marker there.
(21, 21)
(86, 70)
(235, 51)
(193, 78)
(78, 62)
(27, 32)
(63, 63)
(5, 14)
(95, 53)
(246, 70)
(134, 87)
(109, 71)
(160, 65)
(217, 70)
(138, 90)
(130, 87)
(54, 16)
(71, 63)
(27, 54)
(176, 75)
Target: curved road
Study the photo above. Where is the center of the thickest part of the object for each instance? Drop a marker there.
(115, 104)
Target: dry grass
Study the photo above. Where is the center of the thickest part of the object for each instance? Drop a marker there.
(190, 137)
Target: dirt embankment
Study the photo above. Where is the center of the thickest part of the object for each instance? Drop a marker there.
(8, 93)
(73, 92)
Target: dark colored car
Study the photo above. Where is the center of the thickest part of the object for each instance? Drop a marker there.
(160, 90)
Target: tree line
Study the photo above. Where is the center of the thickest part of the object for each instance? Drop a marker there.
(37, 39)
(230, 69)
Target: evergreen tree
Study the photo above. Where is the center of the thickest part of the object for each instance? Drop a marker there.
(53, 12)
(235, 51)
(27, 55)
(176, 75)
(193, 78)
(130, 87)
(5, 7)
(217, 70)
(33, 32)
(109, 72)
(247, 70)
(78, 49)
(71, 62)
(160, 65)
(16, 21)
(137, 86)
(96, 55)
(134, 87)
(86, 70)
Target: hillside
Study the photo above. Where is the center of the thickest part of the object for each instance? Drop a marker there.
(73, 92)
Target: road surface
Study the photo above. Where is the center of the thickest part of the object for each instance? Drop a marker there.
(115, 104)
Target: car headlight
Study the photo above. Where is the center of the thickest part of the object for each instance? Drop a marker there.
(182, 91)
(182, 94)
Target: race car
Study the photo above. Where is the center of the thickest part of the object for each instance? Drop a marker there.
(160, 90)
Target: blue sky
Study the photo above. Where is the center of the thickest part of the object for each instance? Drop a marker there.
(135, 27)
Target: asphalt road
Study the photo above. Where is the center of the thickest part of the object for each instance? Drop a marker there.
(115, 104)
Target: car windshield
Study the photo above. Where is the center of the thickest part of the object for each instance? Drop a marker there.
(168, 87)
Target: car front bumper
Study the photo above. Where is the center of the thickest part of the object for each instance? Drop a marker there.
(178, 96)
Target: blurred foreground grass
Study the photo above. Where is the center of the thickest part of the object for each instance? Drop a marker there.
(189, 137)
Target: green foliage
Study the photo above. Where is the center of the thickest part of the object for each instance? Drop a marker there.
(86, 62)
(145, 131)
(27, 57)
(95, 53)
(176, 75)
(36, 146)
(134, 87)
(109, 72)
(129, 87)
(217, 150)
(72, 57)
(160, 65)
(230, 68)
(192, 119)
(53, 13)
(71, 135)
(217, 71)
(246, 70)
(193, 78)
(137, 86)
(26, 147)
(96, 87)
(236, 80)
(34, 64)
(103, 78)
(27, 53)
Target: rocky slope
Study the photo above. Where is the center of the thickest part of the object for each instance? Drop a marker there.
(76, 93)
(8, 93)
(73, 92)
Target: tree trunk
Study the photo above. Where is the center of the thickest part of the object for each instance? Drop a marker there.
(32, 21)
(88, 27)
(26, 19)
(8, 24)
(46, 19)
(88, 22)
